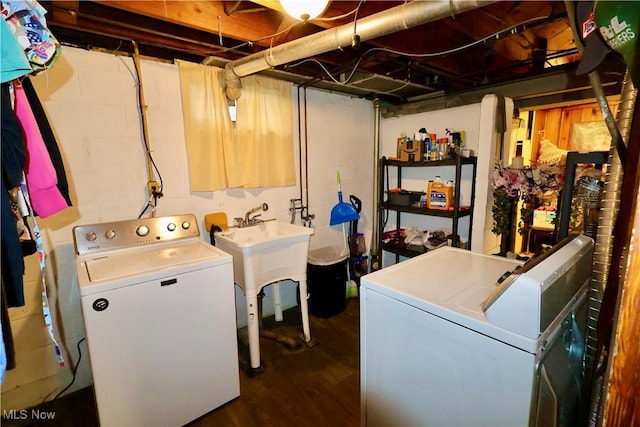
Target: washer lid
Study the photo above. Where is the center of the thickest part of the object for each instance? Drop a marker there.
(121, 267)
(450, 283)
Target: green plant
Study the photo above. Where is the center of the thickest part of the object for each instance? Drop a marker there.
(530, 202)
(501, 211)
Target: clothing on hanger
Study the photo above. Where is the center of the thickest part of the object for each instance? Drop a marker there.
(48, 137)
(13, 157)
(27, 47)
(7, 334)
(41, 175)
(27, 22)
(14, 61)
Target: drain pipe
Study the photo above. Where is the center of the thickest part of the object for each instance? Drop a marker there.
(405, 16)
(374, 252)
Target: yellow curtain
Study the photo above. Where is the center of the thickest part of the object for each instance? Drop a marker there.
(208, 127)
(257, 152)
(264, 132)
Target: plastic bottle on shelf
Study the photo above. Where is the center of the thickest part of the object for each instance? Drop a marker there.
(452, 185)
(439, 195)
(426, 144)
(434, 154)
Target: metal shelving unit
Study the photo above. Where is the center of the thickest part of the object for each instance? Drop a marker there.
(455, 214)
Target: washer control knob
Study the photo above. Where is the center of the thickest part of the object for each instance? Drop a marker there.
(142, 230)
(171, 226)
(186, 225)
(110, 234)
(91, 236)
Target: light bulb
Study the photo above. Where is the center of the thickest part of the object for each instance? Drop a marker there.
(304, 9)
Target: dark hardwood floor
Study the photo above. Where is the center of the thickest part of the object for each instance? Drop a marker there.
(318, 386)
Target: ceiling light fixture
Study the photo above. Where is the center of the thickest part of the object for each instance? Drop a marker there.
(304, 10)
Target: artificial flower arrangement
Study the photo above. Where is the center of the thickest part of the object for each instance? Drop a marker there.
(528, 184)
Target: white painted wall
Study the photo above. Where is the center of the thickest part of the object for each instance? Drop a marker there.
(484, 240)
(90, 99)
(479, 123)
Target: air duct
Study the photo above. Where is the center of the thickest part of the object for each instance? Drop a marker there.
(619, 128)
(602, 257)
(408, 15)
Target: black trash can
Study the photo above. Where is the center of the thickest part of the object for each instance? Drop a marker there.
(327, 280)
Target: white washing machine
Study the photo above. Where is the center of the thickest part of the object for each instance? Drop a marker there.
(159, 313)
(444, 343)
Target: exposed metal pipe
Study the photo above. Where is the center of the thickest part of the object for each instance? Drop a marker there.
(374, 252)
(609, 207)
(408, 15)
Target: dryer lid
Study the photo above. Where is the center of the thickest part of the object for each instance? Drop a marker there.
(533, 297)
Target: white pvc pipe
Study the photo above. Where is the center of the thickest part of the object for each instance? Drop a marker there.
(277, 302)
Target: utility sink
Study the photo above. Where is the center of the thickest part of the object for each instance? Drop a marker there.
(267, 253)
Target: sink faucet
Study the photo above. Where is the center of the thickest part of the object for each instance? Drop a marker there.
(251, 220)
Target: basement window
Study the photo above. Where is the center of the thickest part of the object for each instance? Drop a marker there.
(232, 103)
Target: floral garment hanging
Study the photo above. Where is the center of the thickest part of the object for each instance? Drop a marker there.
(528, 184)
(29, 26)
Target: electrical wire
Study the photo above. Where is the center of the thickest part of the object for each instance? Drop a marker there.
(327, 71)
(495, 35)
(334, 18)
(73, 379)
(156, 193)
(252, 42)
(356, 38)
(407, 83)
(150, 204)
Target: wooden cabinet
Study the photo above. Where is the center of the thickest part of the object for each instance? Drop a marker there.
(555, 124)
(386, 167)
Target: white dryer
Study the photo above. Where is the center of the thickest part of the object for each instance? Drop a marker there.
(444, 344)
(159, 313)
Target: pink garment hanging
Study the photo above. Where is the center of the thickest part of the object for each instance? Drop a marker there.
(40, 173)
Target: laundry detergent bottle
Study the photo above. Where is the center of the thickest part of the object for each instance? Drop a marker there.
(439, 195)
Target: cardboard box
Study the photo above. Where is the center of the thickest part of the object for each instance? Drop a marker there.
(410, 151)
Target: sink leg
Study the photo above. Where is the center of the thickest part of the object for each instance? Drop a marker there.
(304, 309)
(253, 329)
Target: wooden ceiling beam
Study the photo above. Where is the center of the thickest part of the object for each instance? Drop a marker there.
(209, 16)
(270, 4)
(65, 12)
(232, 29)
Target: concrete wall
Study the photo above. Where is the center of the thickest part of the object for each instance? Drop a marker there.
(478, 122)
(90, 99)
